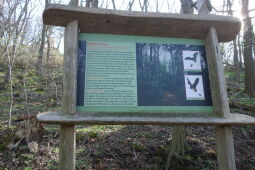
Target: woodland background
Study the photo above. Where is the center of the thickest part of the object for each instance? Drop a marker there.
(31, 81)
(160, 75)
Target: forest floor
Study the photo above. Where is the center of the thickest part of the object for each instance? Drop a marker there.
(114, 147)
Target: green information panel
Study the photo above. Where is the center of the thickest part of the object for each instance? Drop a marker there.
(120, 73)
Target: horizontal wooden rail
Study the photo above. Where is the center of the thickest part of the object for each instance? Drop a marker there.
(96, 119)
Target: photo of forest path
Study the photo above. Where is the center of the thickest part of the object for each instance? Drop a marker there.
(160, 75)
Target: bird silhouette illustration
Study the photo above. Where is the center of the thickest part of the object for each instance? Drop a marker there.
(194, 85)
(194, 58)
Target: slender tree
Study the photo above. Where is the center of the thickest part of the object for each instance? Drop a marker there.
(130, 4)
(88, 3)
(42, 44)
(14, 19)
(144, 5)
(1, 5)
(187, 6)
(94, 4)
(48, 35)
(235, 50)
(247, 50)
(113, 5)
(240, 52)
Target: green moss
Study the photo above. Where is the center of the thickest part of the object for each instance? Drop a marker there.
(6, 138)
(27, 155)
(99, 128)
(40, 89)
(27, 168)
(52, 164)
(51, 167)
(138, 146)
(79, 137)
(93, 134)
(229, 74)
(3, 147)
(84, 163)
(55, 150)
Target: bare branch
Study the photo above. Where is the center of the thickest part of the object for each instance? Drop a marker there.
(113, 5)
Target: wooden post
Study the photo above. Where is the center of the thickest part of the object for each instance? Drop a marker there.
(70, 68)
(225, 148)
(68, 132)
(224, 136)
(216, 74)
(67, 147)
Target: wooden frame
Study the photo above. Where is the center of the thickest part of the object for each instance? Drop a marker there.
(131, 23)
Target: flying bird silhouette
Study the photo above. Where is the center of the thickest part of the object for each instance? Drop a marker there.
(194, 85)
(194, 58)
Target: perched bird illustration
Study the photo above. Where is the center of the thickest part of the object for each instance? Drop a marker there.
(194, 58)
(194, 85)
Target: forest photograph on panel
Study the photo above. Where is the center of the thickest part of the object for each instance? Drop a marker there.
(164, 79)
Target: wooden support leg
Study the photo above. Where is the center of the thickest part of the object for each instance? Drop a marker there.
(225, 148)
(67, 147)
(68, 132)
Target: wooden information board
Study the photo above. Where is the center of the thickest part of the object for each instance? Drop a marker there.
(118, 69)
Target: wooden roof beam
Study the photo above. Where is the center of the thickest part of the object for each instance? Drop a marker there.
(92, 20)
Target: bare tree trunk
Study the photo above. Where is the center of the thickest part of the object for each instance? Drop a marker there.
(74, 2)
(144, 6)
(236, 62)
(157, 5)
(11, 89)
(59, 42)
(240, 51)
(17, 18)
(113, 5)
(48, 52)
(88, 3)
(253, 44)
(1, 9)
(223, 6)
(204, 6)
(48, 35)
(41, 50)
(186, 6)
(42, 44)
(25, 88)
(94, 4)
(177, 148)
(235, 57)
(11, 57)
(130, 4)
(7, 75)
(248, 59)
